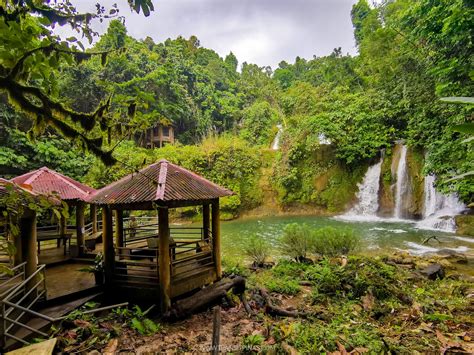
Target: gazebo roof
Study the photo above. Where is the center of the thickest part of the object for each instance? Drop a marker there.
(163, 183)
(46, 181)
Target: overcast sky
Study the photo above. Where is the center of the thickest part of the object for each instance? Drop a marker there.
(257, 31)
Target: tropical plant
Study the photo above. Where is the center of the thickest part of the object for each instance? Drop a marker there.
(257, 249)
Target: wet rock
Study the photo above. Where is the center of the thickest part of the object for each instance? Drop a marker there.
(434, 271)
(452, 256)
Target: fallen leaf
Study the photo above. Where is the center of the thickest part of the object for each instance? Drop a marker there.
(368, 301)
(111, 347)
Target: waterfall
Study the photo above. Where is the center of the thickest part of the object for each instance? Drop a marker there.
(276, 141)
(439, 209)
(402, 183)
(368, 194)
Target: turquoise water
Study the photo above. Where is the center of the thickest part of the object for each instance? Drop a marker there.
(376, 237)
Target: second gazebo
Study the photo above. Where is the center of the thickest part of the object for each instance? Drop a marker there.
(172, 261)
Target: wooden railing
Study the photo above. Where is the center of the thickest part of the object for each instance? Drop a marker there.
(136, 266)
(191, 255)
(16, 306)
(18, 303)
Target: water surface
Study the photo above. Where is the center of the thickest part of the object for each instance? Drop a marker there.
(376, 236)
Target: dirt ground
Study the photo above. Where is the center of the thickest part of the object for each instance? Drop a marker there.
(194, 335)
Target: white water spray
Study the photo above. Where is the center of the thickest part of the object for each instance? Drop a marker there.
(276, 141)
(439, 209)
(368, 195)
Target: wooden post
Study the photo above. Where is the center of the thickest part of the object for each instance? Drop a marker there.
(216, 238)
(94, 218)
(164, 258)
(216, 331)
(206, 223)
(62, 229)
(119, 228)
(108, 243)
(80, 225)
(28, 241)
(18, 257)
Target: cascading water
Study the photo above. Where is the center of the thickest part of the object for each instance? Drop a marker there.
(368, 195)
(276, 141)
(439, 209)
(401, 185)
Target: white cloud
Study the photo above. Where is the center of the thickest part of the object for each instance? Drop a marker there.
(257, 31)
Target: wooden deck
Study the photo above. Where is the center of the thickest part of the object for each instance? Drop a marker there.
(64, 279)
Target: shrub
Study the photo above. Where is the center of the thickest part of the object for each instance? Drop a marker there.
(231, 266)
(284, 285)
(290, 269)
(296, 240)
(256, 249)
(330, 241)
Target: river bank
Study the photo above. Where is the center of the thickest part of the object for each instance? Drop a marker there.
(351, 305)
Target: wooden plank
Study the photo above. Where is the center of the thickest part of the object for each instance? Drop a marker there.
(43, 348)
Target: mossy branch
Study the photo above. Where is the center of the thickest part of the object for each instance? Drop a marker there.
(54, 113)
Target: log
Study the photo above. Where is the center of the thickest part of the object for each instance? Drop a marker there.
(273, 310)
(206, 297)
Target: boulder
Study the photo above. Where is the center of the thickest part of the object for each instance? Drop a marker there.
(452, 256)
(434, 271)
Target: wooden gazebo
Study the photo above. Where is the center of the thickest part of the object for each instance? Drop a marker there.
(45, 181)
(173, 261)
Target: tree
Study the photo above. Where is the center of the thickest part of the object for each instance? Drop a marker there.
(31, 56)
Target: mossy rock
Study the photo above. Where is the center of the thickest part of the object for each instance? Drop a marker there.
(415, 162)
(387, 179)
(465, 225)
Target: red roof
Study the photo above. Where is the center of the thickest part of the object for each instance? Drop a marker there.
(162, 181)
(46, 181)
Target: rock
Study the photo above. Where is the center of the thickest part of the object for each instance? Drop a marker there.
(465, 224)
(452, 256)
(446, 264)
(434, 271)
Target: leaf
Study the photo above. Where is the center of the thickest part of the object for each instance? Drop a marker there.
(464, 128)
(71, 39)
(458, 100)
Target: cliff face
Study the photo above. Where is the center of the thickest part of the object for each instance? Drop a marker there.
(387, 183)
(320, 184)
(415, 162)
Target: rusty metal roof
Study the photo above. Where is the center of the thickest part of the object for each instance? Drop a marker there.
(46, 181)
(160, 182)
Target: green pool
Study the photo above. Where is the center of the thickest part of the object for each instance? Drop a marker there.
(377, 237)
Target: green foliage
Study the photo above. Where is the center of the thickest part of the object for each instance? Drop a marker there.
(284, 285)
(296, 240)
(257, 123)
(359, 277)
(251, 343)
(330, 241)
(233, 266)
(257, 249)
